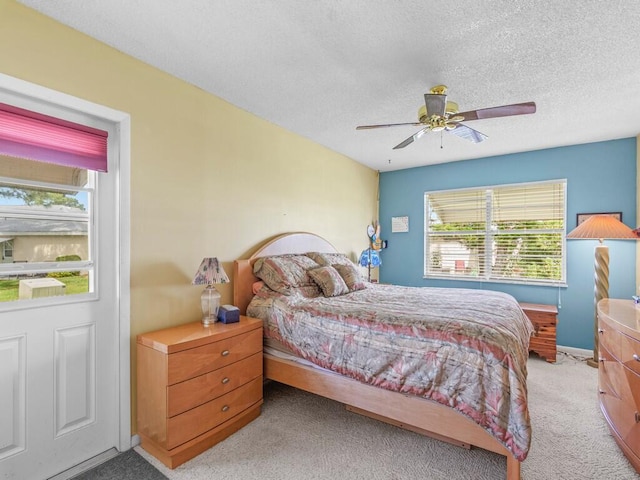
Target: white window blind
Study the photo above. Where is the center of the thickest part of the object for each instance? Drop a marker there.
(510, 233)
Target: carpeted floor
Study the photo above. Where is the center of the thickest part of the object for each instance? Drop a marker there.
(126, 466)
(302, 436)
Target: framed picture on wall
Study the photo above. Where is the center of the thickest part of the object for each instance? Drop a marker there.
(581, 217)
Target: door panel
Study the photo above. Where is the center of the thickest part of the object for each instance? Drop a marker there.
(12, 395)
(75, 378)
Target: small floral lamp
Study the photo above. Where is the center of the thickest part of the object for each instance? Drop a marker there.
(210, 273)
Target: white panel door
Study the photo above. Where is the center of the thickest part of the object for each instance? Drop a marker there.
(59, 364)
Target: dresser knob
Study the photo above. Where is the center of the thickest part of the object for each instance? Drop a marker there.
(600, 330)
(637, 417)
(225, 408)
(636, 357)
(601, 360)
(602, 392)
(225, 353)
(225, 380)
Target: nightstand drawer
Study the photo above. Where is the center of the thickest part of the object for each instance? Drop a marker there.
(196, 391)
(198, 361)
(197, 421)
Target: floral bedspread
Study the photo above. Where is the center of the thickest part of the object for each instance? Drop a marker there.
(466, 349)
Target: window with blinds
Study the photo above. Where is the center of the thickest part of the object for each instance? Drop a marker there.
(509, 233)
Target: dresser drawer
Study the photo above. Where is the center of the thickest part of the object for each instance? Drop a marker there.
(190, 424)
(617, 384)
(630, 353)
(611, 375)
(608, 337)
(198, 361)
(188, 394)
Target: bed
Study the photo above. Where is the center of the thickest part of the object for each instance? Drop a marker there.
(502, 427)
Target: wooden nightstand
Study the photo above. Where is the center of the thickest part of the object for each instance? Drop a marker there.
(196, 386)
(544, 319)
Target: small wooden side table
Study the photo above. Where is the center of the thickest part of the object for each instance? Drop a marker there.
(544, 319)
(197, 385)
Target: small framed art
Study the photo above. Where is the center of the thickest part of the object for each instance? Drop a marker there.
(581, 217)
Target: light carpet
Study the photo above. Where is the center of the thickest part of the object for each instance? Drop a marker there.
(303, 436)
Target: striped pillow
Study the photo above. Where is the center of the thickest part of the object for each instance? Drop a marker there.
(329, 281)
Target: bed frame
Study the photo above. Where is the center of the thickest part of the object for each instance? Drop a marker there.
(406, 411)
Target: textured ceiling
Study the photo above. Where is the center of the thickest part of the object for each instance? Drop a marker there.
(320, 68)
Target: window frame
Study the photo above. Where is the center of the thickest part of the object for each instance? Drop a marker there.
(31, 268)
(487, 275)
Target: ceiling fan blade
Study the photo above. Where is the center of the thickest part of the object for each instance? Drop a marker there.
(468, 133)
(412, 138)
(366, 127)
(435, 103)
(503, 111)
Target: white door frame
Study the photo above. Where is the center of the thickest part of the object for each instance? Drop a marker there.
(122, 122)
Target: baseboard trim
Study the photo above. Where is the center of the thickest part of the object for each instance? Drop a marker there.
(135, 440)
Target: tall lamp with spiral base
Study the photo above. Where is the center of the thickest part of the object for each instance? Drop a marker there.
(601, 227)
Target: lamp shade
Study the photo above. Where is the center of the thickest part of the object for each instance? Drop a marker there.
(602, 227)
(210, 272)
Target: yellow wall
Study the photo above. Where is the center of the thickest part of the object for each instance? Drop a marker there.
(207, 179)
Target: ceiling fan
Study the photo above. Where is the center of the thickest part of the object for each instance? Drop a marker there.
(437, 115)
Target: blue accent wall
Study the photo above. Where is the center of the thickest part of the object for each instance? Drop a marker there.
(601, 177)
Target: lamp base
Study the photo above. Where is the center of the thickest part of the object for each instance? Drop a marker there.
(592, 363)
(210, 302)
(206, 321)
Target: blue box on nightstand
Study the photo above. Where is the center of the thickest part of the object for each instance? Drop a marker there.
(228, 314)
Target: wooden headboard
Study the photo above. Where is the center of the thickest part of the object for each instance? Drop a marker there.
(298, 242)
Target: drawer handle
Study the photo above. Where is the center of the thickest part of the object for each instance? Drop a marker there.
(225, 408)
(225, 353)
(636, 357)
(600, 330)
(637, 417)
(601, 360)
(225, 380)
(602, 392)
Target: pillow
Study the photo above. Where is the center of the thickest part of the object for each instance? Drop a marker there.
(325, 259)
(351, 276)
(284, 272)
(329, 280)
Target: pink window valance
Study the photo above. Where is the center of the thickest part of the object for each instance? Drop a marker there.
(36, 136)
